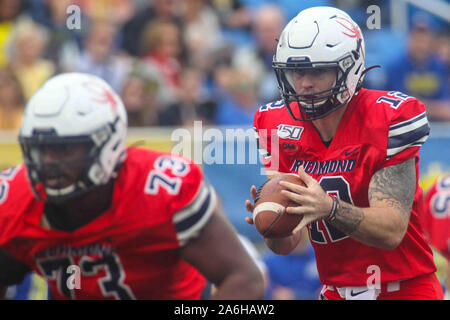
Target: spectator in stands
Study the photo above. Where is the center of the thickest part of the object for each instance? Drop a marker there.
(419, 73)
(294, 276)
(12, 102)
(443, 48)
(10, 11)
(116, 11)
(440, 110)
(237, 97)
(31, 69)
(201, 46)
(64, 44)
(195, 103)
(138, 97)
(162, 45)
(233, 14)
(267, 23)
(99, 56)
(133, 30)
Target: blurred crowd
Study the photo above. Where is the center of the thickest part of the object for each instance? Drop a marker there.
(173, 61)
(176, 61)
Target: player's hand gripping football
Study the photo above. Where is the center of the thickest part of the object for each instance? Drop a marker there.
(314, 202)
(249, 205)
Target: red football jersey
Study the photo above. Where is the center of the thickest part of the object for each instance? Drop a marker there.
(131, 251)
(378, 129)
(436, 217)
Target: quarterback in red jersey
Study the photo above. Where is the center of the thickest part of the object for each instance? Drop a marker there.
(357, 151)
(100, 221)
(436, 221)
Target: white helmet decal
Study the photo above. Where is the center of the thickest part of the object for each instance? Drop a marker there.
(352, 30)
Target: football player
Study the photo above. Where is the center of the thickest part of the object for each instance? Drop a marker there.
(357, 150)
(436, 221)
(102, 221)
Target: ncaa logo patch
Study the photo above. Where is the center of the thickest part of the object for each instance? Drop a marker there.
(286, 131)
(289, 147)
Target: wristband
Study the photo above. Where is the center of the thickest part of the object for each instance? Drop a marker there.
(332, 216)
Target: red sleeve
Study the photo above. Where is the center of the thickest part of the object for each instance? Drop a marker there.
(15, 197)
(191, 200)
(408, 130)
(263, 134)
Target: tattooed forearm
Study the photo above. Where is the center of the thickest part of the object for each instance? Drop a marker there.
(394, 187)
(348, 218)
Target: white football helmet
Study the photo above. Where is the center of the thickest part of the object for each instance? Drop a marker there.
(320, 37)
(75, 108)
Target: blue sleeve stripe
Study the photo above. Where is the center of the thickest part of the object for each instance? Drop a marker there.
(409, 137)
(190, 221)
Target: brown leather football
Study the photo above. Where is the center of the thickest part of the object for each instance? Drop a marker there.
(269, 214)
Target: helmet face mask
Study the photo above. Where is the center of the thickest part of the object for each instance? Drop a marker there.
(81, 123)
(64, 176)
(318, 39)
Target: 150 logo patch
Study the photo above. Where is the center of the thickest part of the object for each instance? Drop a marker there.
(286, 131)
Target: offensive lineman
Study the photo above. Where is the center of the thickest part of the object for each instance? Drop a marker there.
(136, 223)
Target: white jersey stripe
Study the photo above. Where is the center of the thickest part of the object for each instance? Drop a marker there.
(409, 133)
(407, 128)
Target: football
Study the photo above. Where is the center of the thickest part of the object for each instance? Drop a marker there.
(269, 214)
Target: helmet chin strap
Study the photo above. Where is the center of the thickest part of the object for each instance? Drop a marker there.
(359, 85)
